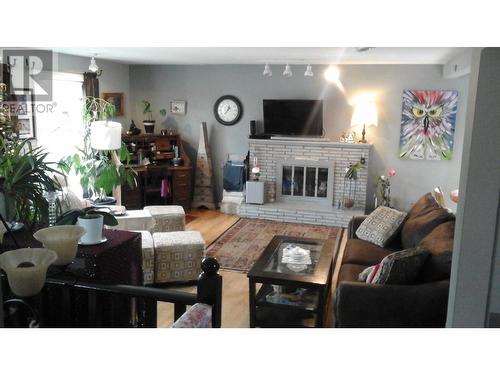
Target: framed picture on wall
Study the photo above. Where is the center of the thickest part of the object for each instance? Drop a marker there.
(178, 107)
(115, 98)
(25, 113)
(428, 124)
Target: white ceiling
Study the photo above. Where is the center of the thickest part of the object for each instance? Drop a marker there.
(261, 55)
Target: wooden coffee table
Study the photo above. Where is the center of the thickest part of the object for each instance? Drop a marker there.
(290, 296)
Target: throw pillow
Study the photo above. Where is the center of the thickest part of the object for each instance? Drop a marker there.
(364, 274)
(401, 267)
(380, 226)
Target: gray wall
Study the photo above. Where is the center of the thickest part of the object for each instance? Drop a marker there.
(475, 277)
(201, 85)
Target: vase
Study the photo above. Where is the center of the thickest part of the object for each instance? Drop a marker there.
(149, 126)
(93, 225)
(63, 239)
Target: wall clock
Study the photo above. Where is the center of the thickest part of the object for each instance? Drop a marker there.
(228, 110)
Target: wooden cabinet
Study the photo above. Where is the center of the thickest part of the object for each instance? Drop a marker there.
(160, 182)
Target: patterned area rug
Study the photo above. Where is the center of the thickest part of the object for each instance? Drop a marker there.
(240, 246)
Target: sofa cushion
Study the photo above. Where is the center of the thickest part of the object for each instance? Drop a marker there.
(400, 267)
(350, 272)
(363, 253)
(381, 225)
(416, 227)
(439, 243)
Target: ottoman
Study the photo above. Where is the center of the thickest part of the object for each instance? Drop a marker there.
(148, 257)
(178, 256)
(167, 218)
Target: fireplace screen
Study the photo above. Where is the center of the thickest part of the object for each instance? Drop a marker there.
(305, 181)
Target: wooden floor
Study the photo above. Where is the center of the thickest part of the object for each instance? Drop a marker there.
(235, 310)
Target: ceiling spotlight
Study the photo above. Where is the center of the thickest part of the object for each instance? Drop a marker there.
(309, 71)
(332, 74)
(267, 71)
(93, 65)
(288, 71)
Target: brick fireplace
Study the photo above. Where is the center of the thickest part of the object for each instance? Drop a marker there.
(304, 180)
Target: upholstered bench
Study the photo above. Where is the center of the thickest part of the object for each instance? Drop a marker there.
(167, 218)
(178, 255)
(148, 257)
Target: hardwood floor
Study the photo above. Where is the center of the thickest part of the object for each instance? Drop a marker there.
(235, 310)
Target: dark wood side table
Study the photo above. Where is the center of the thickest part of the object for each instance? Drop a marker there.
(117, 261)
(289, 298)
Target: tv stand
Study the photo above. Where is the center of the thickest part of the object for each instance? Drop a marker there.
(302, 139)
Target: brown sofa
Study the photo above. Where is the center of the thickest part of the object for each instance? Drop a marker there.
(422, 304)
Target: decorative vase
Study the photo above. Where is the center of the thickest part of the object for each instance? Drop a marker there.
(93, 225)
(63, 239)
(27, 269)
(149, 126)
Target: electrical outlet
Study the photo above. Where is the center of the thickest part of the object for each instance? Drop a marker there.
(362, 160)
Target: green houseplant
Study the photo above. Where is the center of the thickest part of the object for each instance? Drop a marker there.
(350, 184)
(98, 174)
(24, 174)
(148, 122)
(91, 219)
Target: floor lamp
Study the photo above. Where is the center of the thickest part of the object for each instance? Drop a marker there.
(107, 136)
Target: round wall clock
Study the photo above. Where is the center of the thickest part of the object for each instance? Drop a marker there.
(228, 110)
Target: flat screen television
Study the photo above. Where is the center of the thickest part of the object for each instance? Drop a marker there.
(293, 117)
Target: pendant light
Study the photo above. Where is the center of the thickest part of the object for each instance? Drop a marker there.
(93, 65)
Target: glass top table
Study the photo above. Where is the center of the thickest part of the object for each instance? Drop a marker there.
(295, 276)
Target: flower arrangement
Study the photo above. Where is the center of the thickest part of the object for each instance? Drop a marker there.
(384, 188)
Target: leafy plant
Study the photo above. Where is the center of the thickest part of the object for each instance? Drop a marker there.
(70, 217)
(148, 112)
(26, 177)
(98, 174)
(352, 171)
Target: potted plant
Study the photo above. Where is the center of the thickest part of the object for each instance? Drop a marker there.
(90, 218)
(98, 174)
(24, 173)
(148, 122)
(350, 182)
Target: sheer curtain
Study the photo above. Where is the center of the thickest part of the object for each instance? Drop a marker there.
(60, 129)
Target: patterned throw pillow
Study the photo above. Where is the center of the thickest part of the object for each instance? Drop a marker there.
(381, 225)
(400, 267)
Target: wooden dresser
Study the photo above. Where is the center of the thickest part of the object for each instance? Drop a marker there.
(159, 182)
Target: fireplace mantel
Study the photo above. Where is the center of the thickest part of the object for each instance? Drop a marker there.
(271, 152)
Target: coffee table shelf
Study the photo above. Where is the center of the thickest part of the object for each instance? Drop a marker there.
(316, 279)
(266, 289)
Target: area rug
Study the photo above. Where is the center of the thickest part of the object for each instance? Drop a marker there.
(240, 246)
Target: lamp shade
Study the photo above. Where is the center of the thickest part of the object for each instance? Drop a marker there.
(365, 113)
(106, 135)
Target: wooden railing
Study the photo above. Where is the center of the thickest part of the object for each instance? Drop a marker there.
(66, 302)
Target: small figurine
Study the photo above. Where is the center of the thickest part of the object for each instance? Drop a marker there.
(133, 129)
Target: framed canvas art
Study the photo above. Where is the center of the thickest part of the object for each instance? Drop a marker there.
(115, 98)
(428, 124)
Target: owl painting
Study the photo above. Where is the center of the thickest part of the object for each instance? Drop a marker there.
(428, 124)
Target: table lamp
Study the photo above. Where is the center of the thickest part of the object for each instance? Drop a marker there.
(107, 136)
(365, 114)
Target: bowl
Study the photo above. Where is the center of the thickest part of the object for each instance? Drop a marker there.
(63, 239)
(27, 269)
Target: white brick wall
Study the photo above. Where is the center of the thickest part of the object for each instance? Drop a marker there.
(340, 154)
